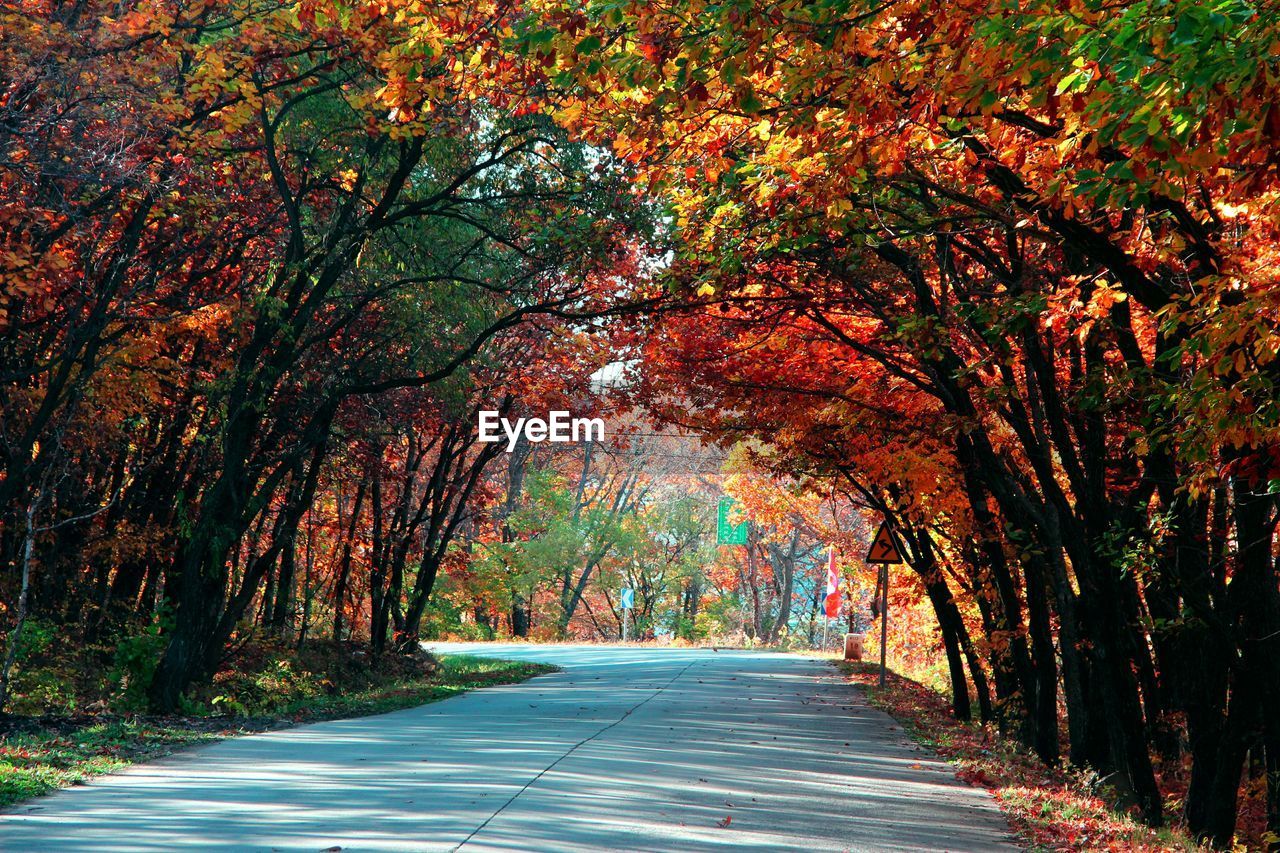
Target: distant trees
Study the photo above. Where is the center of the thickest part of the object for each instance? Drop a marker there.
(595, 519)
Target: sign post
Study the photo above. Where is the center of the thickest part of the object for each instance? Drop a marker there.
(628, 604)
(884, 617)
(884, 551)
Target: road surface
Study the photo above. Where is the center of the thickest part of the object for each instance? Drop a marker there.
(626, 749)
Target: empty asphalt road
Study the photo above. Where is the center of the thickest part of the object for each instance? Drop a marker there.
(626, 749)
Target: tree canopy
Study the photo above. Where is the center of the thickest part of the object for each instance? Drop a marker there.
(1001, 274)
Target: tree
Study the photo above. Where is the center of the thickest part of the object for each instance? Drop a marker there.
(1027, 240)
(394, 215)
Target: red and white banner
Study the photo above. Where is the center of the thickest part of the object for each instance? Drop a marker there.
(831, 604)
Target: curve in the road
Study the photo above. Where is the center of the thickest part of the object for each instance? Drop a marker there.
(627, 749)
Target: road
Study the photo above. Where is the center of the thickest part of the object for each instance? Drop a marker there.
(626, 749)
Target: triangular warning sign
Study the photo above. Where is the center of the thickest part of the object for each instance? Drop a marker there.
(884, 548)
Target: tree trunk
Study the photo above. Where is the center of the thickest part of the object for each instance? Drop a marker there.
(344, 565)
(15, 634)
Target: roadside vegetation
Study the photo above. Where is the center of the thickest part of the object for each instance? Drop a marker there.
(94, 729)
(1050, 809)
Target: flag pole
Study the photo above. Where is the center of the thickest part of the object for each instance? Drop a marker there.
(826, 620)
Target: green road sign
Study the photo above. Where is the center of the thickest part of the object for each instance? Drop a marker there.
(727, 533)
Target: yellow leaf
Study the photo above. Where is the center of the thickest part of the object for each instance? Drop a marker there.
(839, 207)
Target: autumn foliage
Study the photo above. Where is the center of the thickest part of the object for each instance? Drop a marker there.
(1008, 274)
(263, 263)
(1004, 275)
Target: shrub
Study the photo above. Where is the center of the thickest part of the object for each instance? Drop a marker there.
(136, 659)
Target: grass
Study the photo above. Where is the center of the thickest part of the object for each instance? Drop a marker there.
(34, 763)
(1051, 809)
(38, 755)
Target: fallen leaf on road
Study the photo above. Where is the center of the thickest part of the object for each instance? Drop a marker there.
(728, 819)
